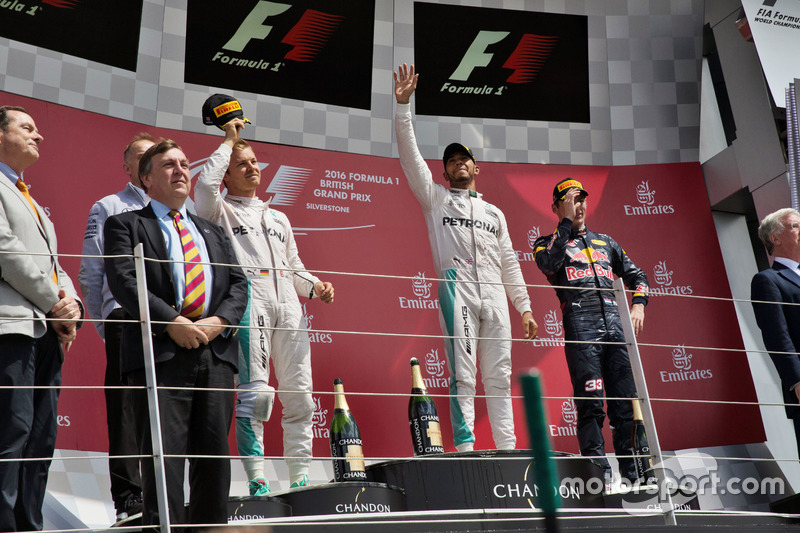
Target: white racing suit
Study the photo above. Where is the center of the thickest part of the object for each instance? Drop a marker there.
(124, 472)
(472, 250)
(264, 244)
(92, 275)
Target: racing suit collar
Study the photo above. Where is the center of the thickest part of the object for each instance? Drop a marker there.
(138, 191)
(466, 192)
(247, 201)
(578, 232)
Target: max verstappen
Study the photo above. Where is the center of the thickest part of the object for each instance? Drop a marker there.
(575, 257)
(472, 251)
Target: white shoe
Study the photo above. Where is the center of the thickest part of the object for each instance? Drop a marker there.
(302, 482)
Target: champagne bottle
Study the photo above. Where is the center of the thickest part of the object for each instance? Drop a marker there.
(426, 434)
(345, 440)
(644, 463)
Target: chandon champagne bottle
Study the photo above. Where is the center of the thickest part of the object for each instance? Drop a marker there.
(426, 434)
(644, 463)
(345, 440)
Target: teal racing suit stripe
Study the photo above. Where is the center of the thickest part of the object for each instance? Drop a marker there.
(245, 337)
(447, 295)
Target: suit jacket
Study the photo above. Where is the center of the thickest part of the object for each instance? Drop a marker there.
(780, 324)
(229, 291)
(26, 281)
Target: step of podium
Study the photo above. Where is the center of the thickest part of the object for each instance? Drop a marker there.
(490, 479)
(355, 497)
(650, 498)
(486, 479)
(250, 508)
(352, 497)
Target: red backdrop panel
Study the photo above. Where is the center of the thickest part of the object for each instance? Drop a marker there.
(355, 214)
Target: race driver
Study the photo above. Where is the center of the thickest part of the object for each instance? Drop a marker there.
(575, 257)
(264, 244)
(472, 250)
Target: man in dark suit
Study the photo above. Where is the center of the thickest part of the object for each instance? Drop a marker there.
(33, 288)
(193, 301)
(780, 324)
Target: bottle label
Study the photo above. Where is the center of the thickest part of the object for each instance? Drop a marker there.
(350, 468)
(435, 434)
(426, 434)
(355, 457)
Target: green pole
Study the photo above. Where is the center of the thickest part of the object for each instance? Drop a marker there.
(544, 471)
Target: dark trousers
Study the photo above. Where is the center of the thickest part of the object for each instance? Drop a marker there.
(124, 472)
(192, 423)
(28, 422)
(596, 369)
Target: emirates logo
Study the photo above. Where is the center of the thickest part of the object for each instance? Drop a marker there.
(306, 317)
(644, 195)
(319, 420)
(533, 234)
(681, 359)
(683, 369)
(569, 412)
(664, 282)
(434, 365)
(320, 417)
(663, 274)
(553, 331)
(421, 286)
(647, 203)
(552, 325)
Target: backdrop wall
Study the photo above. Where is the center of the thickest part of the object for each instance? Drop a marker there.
(355, 214)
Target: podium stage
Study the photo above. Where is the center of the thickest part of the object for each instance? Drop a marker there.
(453, 482)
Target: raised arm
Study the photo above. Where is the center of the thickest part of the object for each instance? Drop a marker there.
(419, 176)
(207, 196)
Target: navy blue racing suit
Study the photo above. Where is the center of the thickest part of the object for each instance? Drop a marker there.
(586, 261)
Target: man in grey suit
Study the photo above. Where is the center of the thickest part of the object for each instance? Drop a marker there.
(33, 288)
(780, 324)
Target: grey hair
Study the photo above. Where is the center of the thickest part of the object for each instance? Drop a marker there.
(772, 224)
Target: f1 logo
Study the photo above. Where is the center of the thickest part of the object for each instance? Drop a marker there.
(526, 60)
(501, 63)
(253, 26)
(476, 55)
(308, 37)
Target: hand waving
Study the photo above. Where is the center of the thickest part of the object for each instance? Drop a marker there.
(405, 83)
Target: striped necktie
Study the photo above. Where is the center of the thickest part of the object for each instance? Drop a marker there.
(195, 294)
(24, 190)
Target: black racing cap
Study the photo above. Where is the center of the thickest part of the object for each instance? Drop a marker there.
(219, 109)
(565, 185)
(456, 148)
